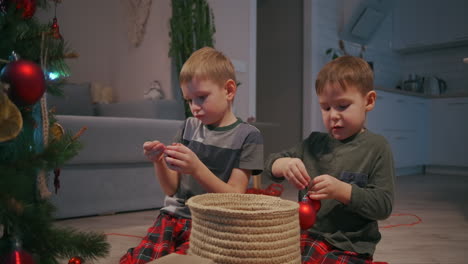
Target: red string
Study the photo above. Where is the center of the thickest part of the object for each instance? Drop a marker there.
(124, 235)
(419, 220)
(273, 189)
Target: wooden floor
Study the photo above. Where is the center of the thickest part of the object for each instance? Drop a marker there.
(441, 201)
(429, 223)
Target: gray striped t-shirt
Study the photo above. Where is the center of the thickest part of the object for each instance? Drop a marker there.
(221, 149)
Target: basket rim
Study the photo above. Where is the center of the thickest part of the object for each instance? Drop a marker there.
(194, 202)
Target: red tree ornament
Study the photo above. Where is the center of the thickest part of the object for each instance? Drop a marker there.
(18, 256)
(26, 79)
(76, 260)
(28, 7)
(55, 29)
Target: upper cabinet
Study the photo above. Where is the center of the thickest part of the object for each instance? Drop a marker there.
(420, 25)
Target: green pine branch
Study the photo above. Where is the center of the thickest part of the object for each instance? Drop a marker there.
(33, 226)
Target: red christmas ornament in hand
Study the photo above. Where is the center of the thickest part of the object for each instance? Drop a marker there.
(26, 79)
(307, 215)
(76, 260)
(18, 256)
(316, 204)
(308, 209)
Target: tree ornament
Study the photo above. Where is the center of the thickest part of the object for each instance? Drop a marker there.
(56, 29)
(26, 79)
(57, 131)
(18, 255)
(28, 7)
(11, 121)
(76, 260)
(307, 215)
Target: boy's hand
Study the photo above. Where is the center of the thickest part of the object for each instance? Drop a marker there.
(294, 171)
(153, 150)
(328, 187)
(181, 159)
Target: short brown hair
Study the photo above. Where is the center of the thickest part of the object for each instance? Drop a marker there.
(346, 70)
(207, 64)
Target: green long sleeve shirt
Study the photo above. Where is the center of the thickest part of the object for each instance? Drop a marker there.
(365, 161)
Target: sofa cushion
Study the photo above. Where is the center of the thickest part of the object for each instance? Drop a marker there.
(117, 139)
(76, 100)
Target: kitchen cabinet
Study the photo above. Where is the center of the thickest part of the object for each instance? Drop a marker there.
(422, 130)
(428, 24)
(403, 121)
(448, 135)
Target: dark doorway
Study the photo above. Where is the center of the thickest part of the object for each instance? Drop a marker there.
(279, 72)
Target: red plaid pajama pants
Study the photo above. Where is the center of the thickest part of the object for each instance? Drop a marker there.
(169, 234)
(315, 250)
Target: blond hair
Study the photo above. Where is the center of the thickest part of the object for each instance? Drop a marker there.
(346, 70)
(207, 64)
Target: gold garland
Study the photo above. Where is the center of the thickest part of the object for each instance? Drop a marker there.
(41, 177)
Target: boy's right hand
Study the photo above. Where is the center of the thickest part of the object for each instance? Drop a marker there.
(153, 150)
(293, 169)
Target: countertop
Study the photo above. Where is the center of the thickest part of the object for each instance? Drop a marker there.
(398, 91)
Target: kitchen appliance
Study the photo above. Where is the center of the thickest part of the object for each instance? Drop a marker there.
(434, 85)
(414, 84)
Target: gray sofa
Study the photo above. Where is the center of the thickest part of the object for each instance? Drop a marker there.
(110, 174)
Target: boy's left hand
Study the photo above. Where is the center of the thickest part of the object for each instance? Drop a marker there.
(181, 159)
(328, 187)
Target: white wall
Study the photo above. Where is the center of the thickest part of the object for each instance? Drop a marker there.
(97, 30)
(236, 37)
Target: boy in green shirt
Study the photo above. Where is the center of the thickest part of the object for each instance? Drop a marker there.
(349, 169)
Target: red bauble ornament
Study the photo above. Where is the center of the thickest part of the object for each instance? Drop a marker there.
(307, 215)
(18, 256)
(316, 204)
(28, 7)
(76, 260)
(26, 79)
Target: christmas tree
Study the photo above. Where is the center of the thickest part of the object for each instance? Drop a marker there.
(32, 143)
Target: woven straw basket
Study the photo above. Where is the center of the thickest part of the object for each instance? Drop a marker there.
(244, 229)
